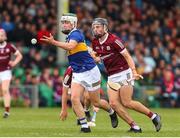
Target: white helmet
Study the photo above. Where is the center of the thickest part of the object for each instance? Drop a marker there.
(72, 18)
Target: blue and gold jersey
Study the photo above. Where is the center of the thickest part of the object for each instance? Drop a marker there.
(79, 58)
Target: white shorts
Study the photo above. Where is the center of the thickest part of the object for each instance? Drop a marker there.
(5, 75)
(90, 80)
(122, 77)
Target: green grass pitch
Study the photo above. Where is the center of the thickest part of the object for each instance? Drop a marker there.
(44, 122)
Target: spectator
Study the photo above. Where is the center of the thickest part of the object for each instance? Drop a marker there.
(167, 92)
(57, 86)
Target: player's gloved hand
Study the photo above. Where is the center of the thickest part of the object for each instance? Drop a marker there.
(63, 115)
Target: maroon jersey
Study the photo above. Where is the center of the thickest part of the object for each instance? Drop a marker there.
(5, 56)
(68, 77)
(110, 53)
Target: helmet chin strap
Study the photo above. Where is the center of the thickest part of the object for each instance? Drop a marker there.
(100, 35)
(1, 42)
(68, 30)
(105, 29)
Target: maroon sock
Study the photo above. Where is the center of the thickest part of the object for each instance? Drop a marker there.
(150, 114)
(7, 109)
(132, 124)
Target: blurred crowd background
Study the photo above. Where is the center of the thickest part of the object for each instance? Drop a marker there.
(150, 27)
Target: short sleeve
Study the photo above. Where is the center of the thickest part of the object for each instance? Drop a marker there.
(13, 48)
(77, 36)
(119, 45)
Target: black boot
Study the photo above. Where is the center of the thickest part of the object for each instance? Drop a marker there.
(157, 122)
(114, 120)
(86, 130)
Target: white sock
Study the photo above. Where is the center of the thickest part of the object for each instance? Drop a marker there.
(153, 116)
(136, 127)
(111, 111)
(83, 123)
(93, 117)
(84, 126)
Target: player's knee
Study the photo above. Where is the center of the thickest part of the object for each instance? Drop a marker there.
(75, 100)
(113, 104)
(96, 103)
(127, 104)
(5, 91)
(87, 98)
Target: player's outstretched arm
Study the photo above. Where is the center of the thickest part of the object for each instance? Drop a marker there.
(65, 45)
(131, 64)
(64, 113)
(18, 58)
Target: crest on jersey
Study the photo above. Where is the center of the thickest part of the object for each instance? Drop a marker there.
(108, 48)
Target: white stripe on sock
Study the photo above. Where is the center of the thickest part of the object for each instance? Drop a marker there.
(153, 116)
(111, 111)
(84, 126)
(136, 127)
(83, 123)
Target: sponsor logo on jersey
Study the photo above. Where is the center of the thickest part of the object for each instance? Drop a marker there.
(97, 48)
(106, 56)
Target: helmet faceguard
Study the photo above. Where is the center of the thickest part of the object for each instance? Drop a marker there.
(104, 23)
(72, 18)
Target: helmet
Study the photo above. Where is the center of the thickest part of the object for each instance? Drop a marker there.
(72, 18)
(69, 17)
(104, 23)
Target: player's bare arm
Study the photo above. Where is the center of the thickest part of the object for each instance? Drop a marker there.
(131, 64)
(64, 113)
(95, 56)
(18, 58)
(64, 45)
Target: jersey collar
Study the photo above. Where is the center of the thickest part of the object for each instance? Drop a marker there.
(3, 45)
(101, 42)
(72, 31)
